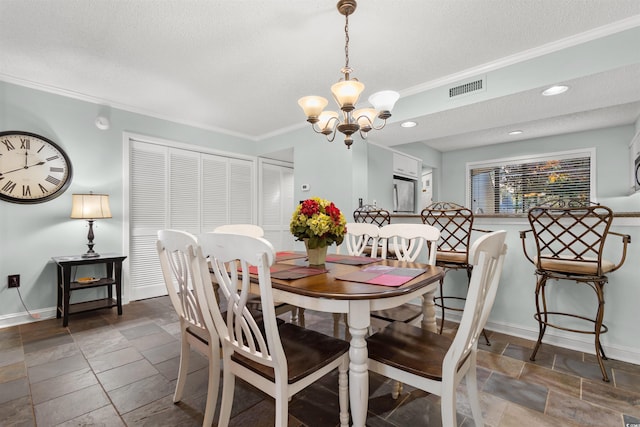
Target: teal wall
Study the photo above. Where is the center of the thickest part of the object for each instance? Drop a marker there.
(514, 306)
(31, 234)
(612, 159)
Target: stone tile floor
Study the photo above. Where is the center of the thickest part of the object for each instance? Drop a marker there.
(114, 370)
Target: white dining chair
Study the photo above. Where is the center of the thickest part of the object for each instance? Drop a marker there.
(361, 239)
(178, 277)
(406, 242)
(437, 363)
(297, 314)
(279, 360)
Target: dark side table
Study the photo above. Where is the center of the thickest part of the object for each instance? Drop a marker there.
(113, 276)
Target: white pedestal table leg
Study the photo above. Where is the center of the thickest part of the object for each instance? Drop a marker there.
(359, 322)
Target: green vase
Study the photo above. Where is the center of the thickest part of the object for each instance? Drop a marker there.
(316, 256)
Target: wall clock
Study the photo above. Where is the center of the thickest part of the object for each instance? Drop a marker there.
(33, 169)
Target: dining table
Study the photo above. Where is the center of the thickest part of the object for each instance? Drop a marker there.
(355, 286)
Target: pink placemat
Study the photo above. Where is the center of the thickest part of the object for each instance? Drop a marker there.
(289, 272)
(286, 255)
(351, 260)
(383, 275)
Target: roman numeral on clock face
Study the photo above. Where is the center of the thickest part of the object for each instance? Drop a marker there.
(52, 180)
(25, 143)
(7, 143)
(9, 186)
(26, 191)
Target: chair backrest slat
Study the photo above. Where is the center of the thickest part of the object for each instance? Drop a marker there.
(359, 236)
(407, 240)
(246, 229)
(487, 255)
(233, 258)
(174, 261)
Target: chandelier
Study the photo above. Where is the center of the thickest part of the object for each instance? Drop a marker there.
(346, 93)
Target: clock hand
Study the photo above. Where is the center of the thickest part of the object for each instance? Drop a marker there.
(26, 158)
(24, 167)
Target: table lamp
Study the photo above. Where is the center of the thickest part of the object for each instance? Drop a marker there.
(90, 207)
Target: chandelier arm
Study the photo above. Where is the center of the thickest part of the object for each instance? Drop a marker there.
(330, 126)
(333, 134)
(384, 123)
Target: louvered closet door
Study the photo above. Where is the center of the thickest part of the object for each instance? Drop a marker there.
(148, 213)
(215, 192)
(276, 204)
(241, 195)
(185, 190)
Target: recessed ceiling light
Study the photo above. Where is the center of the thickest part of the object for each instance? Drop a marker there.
(555, 90)
(409, 124)
(515, 132)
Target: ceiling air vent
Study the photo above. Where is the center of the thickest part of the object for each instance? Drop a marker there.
(465, 88)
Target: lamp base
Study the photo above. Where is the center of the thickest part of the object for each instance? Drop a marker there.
(90, 255)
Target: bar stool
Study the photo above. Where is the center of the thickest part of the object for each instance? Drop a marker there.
(455, 223)
(569, 238)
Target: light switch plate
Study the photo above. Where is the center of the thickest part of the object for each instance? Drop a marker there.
(305, 187)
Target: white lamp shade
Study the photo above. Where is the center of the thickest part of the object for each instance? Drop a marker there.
(365, 117)
(90, 206)
(325, 117)
(347, 92)
(312, 105)
(384, 100)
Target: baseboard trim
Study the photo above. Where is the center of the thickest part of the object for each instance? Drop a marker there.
(578, 342)
(145, 292)
(21, 318)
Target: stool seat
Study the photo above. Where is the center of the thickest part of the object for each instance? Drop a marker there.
(586, 266)
(451, 257)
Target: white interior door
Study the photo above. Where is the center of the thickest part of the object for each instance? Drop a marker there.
(276, 202)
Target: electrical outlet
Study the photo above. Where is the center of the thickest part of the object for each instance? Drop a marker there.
(14, 281)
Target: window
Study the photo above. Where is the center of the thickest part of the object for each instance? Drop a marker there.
(514, 185)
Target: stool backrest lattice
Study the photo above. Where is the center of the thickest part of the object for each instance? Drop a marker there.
(372, 215)
(455, 223)
(570, 230)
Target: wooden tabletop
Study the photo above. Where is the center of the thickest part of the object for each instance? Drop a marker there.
(328, 286)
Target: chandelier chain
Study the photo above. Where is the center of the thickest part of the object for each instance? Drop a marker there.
(346, 44)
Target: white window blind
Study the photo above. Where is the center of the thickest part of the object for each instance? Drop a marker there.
(513, 186)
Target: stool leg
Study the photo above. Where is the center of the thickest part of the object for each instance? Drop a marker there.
(540, 315)
(600, 315)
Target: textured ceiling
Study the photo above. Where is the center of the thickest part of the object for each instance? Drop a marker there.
(240, 66)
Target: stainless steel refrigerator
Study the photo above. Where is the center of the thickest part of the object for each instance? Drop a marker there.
(404, 195)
